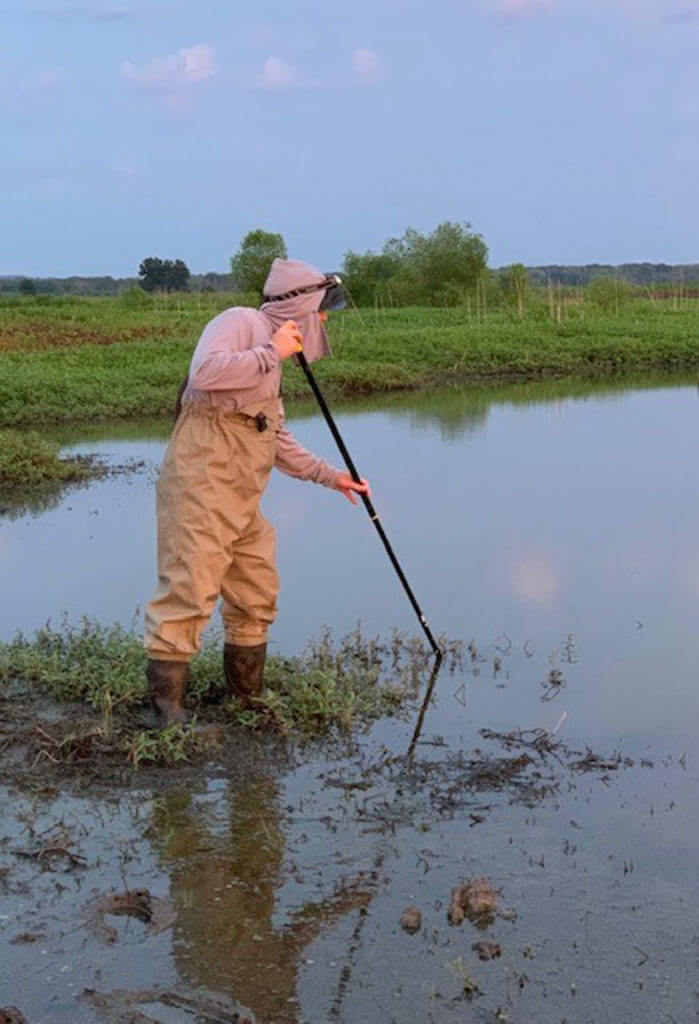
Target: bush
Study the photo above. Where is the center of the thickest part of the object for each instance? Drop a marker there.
(436, 269)
(135, 298)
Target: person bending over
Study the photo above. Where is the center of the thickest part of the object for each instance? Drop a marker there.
(228, 436)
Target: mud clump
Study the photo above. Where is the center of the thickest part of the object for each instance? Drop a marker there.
(24, 938)
(411, 920)
(157, 914)
(124, 1005)
(487, 950)
(475, 900)
(11, 1015)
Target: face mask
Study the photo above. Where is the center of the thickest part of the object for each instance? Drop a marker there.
(335, 297)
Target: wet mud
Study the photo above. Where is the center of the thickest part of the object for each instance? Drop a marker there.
(268, 888)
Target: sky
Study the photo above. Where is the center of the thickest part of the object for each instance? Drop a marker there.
(564, 131)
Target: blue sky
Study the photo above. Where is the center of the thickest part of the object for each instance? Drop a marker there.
(564, 130)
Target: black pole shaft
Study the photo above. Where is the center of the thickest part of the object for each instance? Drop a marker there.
(423, 709)
(303, 363)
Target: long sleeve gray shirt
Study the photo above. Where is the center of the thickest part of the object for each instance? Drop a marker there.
(236, 364)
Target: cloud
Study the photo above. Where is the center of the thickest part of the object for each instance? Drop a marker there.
(175, 73)
(278, 76)
(534, 580)
(366, 66)
(77, 12)
(522, 8)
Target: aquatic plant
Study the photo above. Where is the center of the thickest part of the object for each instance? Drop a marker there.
(27, 460)
(331, 685)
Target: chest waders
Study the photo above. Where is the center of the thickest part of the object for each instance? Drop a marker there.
(213, 541)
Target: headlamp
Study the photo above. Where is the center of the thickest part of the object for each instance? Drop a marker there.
(335, 297)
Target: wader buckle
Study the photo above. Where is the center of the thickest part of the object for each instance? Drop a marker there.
(261, 422)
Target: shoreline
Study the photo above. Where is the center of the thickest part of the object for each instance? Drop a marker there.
(89, 362)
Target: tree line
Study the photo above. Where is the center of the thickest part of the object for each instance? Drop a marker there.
(445, 267)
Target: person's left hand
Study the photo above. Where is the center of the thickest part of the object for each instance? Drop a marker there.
(346, 484)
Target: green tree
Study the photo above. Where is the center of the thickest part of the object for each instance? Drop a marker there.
(250, 264)
(440, 268)
(450, 259)
(27, 286)
(156, 275)
(368, 276)
(178, 273)
(151, 274)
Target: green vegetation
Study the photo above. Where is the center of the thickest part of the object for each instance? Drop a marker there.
(443, 268)
(330, 686)
(250, 264)
(64, 360)
(27, 286)
(156, 275)
(28, 460)
(659, 277)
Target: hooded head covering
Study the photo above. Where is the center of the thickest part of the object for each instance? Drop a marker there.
(285, 276)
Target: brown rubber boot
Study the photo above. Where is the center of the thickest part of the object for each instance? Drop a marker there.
(244, 668)
(167, 686)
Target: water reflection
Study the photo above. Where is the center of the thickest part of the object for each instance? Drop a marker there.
(457, 411)
(17, 502)
(225, 870)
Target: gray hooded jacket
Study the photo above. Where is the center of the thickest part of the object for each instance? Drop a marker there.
(235, 363)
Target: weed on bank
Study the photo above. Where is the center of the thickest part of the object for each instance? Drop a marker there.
(333, 686)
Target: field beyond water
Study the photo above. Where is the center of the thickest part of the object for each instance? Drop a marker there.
(70, 359)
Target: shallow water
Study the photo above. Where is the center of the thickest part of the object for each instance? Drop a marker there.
(556, 528)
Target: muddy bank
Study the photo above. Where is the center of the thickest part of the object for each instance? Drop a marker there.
(275, 893)
(74, 700)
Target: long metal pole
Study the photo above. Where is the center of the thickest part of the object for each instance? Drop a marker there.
(303, 363)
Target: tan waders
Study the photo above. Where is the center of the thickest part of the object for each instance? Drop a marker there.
(213, 540)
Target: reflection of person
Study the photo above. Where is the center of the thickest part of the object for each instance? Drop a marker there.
(223, 887)
(212, 537)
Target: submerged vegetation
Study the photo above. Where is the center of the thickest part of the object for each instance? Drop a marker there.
(332, 686)
(71, 359)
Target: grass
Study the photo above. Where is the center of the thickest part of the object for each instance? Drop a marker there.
(333, 686)
(75, 359)
(28, 460)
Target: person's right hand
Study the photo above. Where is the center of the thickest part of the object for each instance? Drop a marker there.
(288, 339)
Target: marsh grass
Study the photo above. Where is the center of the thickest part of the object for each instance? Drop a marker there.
(332, 686)
(90, 359)
(28, 460)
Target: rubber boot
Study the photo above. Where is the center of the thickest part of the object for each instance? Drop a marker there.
(167, 686)
(244, 668)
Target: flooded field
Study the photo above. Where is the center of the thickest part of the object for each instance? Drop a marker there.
(553, 529)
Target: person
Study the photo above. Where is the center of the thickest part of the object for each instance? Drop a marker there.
(229, 434)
